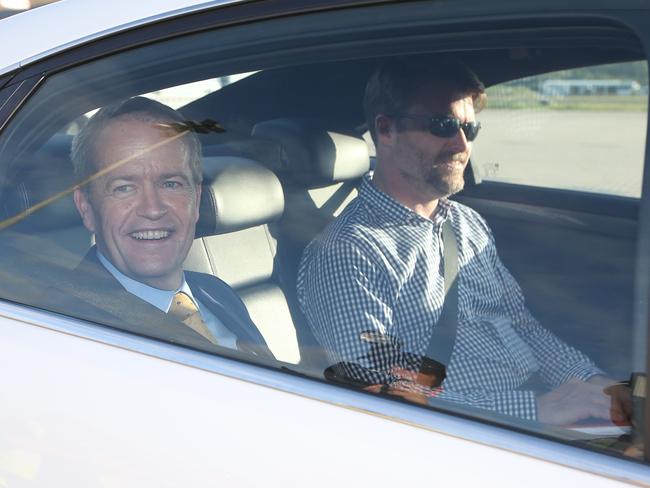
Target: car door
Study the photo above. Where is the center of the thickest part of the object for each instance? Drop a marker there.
(544, 214)
(92, 395)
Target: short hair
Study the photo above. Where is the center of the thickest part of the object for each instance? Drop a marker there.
(138, 108)
(393, 85)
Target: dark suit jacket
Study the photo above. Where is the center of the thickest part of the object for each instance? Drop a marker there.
(137, 315)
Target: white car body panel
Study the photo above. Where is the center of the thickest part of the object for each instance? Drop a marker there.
(101, 415)
(78, 412)
(83, 22)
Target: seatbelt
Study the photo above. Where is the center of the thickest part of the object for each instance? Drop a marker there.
(438, 353)
(337, 199)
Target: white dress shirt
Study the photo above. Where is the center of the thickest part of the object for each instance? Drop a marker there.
(162, 299)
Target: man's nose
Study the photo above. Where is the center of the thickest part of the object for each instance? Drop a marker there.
(151, 204)
(459, 143)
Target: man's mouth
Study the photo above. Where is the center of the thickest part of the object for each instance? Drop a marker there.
(150, 235)
(453, 164)
(452, 161)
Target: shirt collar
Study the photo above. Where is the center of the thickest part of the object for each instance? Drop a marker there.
(395, 211)
(161, 299)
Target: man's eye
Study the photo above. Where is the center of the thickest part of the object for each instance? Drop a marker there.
(122, 189)
(172, 185)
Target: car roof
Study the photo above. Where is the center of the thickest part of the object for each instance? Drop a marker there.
(81, 21)
(32, 36)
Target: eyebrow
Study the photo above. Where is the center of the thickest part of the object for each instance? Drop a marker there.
(111, 179)
(165, 176)
(133, 177)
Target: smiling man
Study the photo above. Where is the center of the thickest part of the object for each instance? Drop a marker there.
(373, 284)
(142, 204)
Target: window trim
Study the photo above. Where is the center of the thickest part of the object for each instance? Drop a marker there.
(14, 96)
(611, 205)
(426, 418)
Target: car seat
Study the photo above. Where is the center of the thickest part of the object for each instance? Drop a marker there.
(239, 200)
(320, 170)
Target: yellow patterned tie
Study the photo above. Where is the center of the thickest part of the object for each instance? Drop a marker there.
(183, 309)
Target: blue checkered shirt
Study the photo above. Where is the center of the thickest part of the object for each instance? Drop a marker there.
(378, 267)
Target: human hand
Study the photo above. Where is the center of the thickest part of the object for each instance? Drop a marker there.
(620, 395)
(406, 385)
(576, 400)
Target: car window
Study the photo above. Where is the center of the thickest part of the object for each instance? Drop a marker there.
(178, 96)
(547, 293)
(595, 116)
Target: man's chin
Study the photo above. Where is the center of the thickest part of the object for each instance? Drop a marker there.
(456, 188)
(157, 275)
(446, 188)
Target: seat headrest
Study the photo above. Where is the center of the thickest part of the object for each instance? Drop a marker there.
(237, 193)
(312, 155)
(48, 172)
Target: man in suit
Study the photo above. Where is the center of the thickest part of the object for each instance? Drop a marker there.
(141, 171)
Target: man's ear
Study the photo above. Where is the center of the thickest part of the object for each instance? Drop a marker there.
(198, 201)
(85, 209)
(385, 129)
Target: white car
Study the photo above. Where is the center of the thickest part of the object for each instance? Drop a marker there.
(92, 395)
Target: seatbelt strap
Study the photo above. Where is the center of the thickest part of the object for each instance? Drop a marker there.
(438, 353)
(443, 338)
(333, 203)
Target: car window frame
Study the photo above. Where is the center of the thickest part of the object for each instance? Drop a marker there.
(27, 80)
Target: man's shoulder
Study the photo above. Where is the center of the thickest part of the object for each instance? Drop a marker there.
(91, 271)
(356, 227)
(465, 212)
(463, 217)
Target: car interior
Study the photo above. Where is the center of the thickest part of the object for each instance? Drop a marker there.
(291, 158)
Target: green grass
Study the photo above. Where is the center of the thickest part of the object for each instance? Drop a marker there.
(519, 97)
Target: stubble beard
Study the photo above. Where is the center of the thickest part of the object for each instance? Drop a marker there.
(445, 182)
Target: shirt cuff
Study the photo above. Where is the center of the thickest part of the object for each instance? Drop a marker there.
(521, 404)
(581, 371)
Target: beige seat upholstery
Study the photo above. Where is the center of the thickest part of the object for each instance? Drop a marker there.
(320, 171)
(240, 198)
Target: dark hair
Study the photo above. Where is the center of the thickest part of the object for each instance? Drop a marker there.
(392, 86)
(137, 108)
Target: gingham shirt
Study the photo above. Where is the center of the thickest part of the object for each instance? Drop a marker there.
(378, 267)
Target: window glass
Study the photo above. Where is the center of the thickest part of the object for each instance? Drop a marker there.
(178, 96)
(594, 117)
(104, 218)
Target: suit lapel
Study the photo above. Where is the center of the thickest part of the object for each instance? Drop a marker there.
(99, 288)
(220, 310)
(118, 308)
(232, 313)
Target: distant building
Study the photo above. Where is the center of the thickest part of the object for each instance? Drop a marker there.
(551, 88)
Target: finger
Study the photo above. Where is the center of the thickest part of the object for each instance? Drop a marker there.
(617, 414)
(628, 406)
(601, 399)
(599, 410)
(373, 388)
(403, 373)
(591, 405)
(620, 411)
(623, 396)
(409, 395)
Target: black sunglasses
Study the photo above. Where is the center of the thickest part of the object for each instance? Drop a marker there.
(446, 126)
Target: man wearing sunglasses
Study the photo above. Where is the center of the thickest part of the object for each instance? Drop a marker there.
(372, 285)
